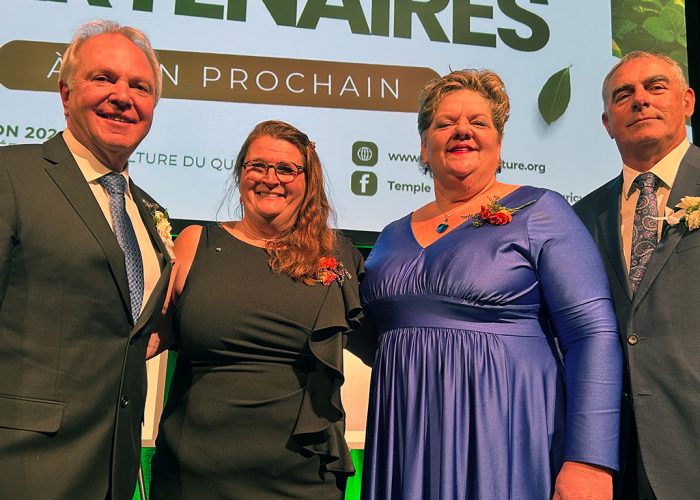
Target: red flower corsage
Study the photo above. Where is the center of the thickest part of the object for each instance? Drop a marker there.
(330, 270)
(495, 213)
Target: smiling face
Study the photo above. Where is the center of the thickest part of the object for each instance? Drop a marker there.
(109, 102)
(646, 105)
(462, 141)
(268, 201)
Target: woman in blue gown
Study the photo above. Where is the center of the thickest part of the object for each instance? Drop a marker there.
(498, 367)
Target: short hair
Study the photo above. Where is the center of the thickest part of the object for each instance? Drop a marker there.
(482, 81)
(298, 249)
(639, 54)
(71, 56)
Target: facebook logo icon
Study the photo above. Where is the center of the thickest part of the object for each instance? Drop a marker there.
(363, 183)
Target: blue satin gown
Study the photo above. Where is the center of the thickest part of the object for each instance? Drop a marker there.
(498, 357)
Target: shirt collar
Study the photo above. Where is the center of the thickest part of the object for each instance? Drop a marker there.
(665, 169)
(91, 168)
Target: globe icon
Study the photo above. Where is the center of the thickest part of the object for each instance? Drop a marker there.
(364, 154)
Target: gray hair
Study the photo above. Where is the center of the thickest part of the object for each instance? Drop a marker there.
(639, 54)
(104, 27)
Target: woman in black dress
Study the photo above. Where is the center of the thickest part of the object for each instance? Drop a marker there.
(259, 309)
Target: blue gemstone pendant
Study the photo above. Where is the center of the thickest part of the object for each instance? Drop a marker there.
(442, 227)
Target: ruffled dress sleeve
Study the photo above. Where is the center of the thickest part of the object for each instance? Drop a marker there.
(581, 315)
(320, 427)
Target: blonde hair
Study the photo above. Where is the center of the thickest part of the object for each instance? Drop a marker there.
(298, 250)
(71, 56)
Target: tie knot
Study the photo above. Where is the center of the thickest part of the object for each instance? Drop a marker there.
(114, 183)
(646, 180)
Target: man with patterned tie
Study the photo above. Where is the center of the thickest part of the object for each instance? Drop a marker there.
(653, 263)
(83, 275)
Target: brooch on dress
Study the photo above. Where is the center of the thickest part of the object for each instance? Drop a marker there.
(330, 270)
(495, 213)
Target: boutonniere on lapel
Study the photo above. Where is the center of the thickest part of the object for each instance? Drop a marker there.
(330, 270)
(688, 213)
(162, 223)
(494, 213)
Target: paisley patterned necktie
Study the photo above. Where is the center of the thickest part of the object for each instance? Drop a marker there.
(115, 184)
(644, 229)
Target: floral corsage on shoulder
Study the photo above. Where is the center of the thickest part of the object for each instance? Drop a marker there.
(162, 223)
(330, 270)
(689, 213)
(494, 213)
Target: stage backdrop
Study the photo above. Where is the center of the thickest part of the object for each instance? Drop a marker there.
(347, 72)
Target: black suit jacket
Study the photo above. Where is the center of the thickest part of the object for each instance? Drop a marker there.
(72, 365)
(660, 330)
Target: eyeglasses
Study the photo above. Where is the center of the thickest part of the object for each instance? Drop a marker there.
(286, 171)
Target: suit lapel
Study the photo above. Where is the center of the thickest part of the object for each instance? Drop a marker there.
(147, 217)
(687, 183)
(67, 176)
(609, 224)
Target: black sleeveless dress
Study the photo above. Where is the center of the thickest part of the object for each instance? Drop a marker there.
(254, 410)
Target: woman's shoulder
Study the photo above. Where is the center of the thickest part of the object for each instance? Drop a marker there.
(190, 231)
(343, 243)
(401, 223)
(347, 249)
(188, 237)
(551, 216)
(542, 197)
(398, 230)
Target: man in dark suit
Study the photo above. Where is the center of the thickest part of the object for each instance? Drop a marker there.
(83, 275)
(653, 264)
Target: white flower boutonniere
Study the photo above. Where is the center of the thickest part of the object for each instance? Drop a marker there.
(162, 223)
(689, 213)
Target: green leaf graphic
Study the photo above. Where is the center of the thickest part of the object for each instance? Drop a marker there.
(645, 7)
(623, 26)
(657, 28)
(656, 25)
(680, 56)
(674, 17)
(555, 96)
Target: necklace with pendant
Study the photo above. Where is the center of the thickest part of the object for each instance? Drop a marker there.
(444, 225)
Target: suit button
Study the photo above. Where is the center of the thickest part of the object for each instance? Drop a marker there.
(632, 339)
(124, 401)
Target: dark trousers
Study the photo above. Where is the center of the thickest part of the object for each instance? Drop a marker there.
(635, 483)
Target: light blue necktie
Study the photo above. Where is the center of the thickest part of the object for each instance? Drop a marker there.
(644, 228)
(115, 184)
